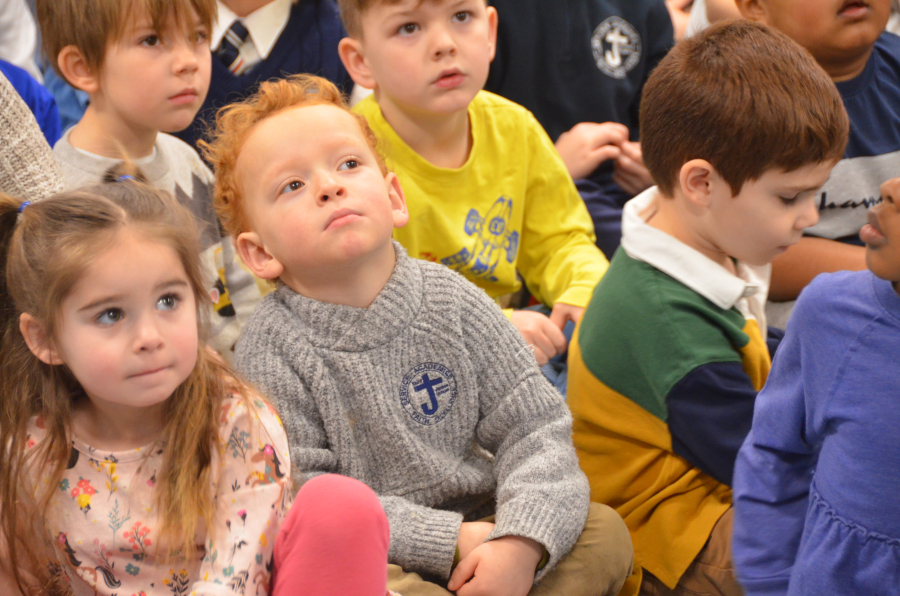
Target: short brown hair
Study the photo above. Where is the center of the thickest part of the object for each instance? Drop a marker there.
(352, 10)
(91, 25)
(744, 97)
(234, 123)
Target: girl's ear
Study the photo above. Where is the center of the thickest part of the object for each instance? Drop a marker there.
(37, 340)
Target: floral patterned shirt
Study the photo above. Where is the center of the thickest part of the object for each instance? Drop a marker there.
(106, 528)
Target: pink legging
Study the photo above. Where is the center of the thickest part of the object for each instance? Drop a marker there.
(333, 542)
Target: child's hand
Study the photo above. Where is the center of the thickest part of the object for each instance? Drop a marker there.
(630, 172)
(562, 313)
(501, 567)
(471, 536)
(589, 144)
(542, 334)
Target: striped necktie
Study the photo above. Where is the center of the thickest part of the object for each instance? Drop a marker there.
(229, 51)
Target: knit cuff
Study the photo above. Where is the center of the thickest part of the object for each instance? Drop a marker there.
(555, 528)
(426, 541)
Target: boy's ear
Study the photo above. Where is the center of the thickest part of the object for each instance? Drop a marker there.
(699, 182)
(37, 340)
(398, 200)
(755, 10)
(254, 254)
(493, 19)
(76, 70)
(352, 55)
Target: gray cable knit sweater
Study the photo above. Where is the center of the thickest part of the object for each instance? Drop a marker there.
(430, 397)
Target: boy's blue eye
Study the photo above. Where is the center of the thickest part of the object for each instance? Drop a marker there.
(199, 36)
(408, 29)
(151, 40)
(462, 17)
(349, 164)
(292, 186)
(110, 316)
(168, 302)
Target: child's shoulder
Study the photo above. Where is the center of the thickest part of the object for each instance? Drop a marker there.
(836, 299)
(250, 415)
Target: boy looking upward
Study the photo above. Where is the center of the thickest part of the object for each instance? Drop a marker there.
(848, 40)
(659, 419)
(145, 66)
(487, 193)
(396, 371)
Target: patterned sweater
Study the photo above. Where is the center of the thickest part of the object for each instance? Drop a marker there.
(429, 396)
(104, 518)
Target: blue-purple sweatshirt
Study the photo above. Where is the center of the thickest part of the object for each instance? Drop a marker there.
(817, 481)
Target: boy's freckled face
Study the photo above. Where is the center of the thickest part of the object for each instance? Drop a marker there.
(769, 214)
(156, 81)
(882, 234)
(828, 28)
(429, 57)
(313, 190)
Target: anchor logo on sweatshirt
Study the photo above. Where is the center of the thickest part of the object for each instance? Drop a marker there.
(428, 392)
(616, 45)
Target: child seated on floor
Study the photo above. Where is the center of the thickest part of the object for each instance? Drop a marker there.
(815, 483)
(146, 68)
(488, 195)
(132, 460)
(849, 41)
(670, 353)
(397, 371)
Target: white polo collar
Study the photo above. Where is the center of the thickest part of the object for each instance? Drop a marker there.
(747, 290)
(265, 25)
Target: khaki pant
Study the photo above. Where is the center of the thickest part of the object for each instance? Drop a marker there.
(711, 573)
(597, 565)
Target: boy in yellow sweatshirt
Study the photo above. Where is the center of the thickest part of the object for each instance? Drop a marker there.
(487, 193)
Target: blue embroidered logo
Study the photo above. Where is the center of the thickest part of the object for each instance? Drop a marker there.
(428, 392)
(493, 241)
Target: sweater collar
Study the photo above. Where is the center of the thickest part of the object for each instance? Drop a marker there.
(97, 165)
(349, 329)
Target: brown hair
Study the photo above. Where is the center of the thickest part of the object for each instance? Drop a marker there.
(43, 252)
(352, 11)
(91, 25)
(744, 97)
(234, 123)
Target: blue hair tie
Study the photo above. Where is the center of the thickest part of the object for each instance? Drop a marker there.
(23, 205)
(125, 177)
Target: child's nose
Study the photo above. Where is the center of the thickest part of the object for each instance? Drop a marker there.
(810, 215)
(148, 336)
(443, 42)
(185, 57)
(330, 188)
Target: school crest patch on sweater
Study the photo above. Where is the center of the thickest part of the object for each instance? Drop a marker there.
(428, 392)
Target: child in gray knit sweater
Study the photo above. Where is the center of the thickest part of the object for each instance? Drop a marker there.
(399, 372)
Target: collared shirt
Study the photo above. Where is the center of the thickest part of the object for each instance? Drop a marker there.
(264, 24)
(747, 290)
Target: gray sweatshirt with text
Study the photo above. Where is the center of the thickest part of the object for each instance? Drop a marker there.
(431, 397)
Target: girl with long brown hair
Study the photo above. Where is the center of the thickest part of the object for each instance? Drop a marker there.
(131, 459)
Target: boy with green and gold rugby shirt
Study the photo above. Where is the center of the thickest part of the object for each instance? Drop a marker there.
(672, 349)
